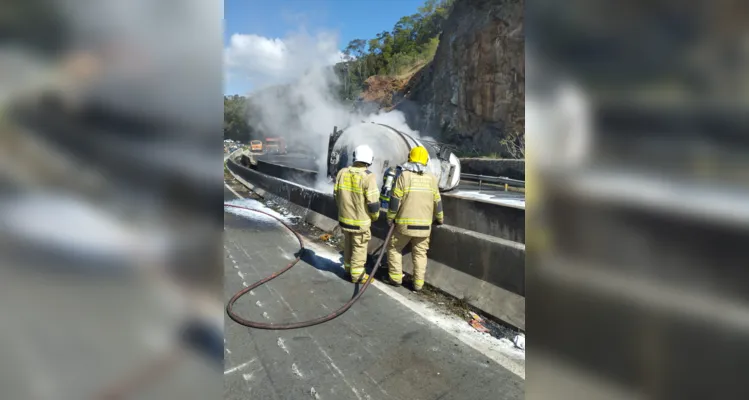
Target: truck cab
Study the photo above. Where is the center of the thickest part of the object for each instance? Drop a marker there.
(275, 146)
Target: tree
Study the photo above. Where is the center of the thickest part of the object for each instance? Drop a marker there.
(428, 7)
(235, 118)
(514, 143)
(411, 41)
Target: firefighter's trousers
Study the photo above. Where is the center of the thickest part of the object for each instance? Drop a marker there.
(419, 247)
(355, 252)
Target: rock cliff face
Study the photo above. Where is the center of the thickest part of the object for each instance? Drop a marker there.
(472, 93)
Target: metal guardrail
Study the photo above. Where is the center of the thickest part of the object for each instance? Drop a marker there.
(492, 179)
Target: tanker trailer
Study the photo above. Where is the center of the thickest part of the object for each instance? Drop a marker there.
(391, 148)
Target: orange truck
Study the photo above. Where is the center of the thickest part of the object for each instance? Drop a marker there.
(256, 145)
(275, 146)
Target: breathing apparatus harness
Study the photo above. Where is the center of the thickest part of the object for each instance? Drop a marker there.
(388, 182)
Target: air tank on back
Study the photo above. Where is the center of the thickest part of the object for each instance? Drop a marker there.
(391, 148)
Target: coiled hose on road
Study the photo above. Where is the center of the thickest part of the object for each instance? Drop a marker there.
(301, 324)
(145, 375)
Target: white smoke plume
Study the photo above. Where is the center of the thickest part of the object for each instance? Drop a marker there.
(395, 119)
(305, 110)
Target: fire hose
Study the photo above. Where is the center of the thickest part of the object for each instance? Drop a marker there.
(124, 388)
(302, 324)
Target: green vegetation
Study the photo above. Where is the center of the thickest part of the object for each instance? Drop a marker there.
(235, 118)
(411, 43)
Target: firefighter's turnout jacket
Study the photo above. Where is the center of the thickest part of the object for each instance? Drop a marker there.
(357, 197)
(415, 203)
(358, 203)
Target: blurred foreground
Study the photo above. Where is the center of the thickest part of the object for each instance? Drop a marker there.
(110, 218)
(638, 205)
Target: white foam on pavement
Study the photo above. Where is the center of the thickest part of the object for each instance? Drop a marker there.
(252, 204)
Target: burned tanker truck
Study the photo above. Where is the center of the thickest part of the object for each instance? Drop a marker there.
(391, 148)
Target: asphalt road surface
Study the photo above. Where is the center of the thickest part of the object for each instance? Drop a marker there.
(379, 349)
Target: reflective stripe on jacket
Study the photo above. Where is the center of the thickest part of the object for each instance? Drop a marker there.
(357, 197)
(415, 203)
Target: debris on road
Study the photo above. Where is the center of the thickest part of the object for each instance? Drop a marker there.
(330, 239)
(519, 341)
(477, 322)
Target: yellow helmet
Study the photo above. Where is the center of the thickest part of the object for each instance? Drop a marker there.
(419, 155)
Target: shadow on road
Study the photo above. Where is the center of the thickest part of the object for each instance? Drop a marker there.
(382, 273)
(323, 264)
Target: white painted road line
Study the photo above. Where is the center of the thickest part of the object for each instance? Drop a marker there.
(239, 367)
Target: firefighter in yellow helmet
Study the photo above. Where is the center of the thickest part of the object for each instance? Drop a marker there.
(414, 204)
(357, 197)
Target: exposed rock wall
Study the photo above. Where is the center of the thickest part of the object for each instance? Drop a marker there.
(472, 93)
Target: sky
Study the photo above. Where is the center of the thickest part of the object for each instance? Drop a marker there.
(272, 41)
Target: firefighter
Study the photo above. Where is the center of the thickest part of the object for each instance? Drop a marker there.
(357, 197)
(415, 203)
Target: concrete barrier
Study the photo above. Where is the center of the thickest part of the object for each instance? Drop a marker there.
(474, 215)
(485, 217)
(311, 217)
(487, 271)
(296, 160)
(302, 176)
(514, 169)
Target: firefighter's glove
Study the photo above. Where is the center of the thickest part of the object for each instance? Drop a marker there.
(390, 222)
